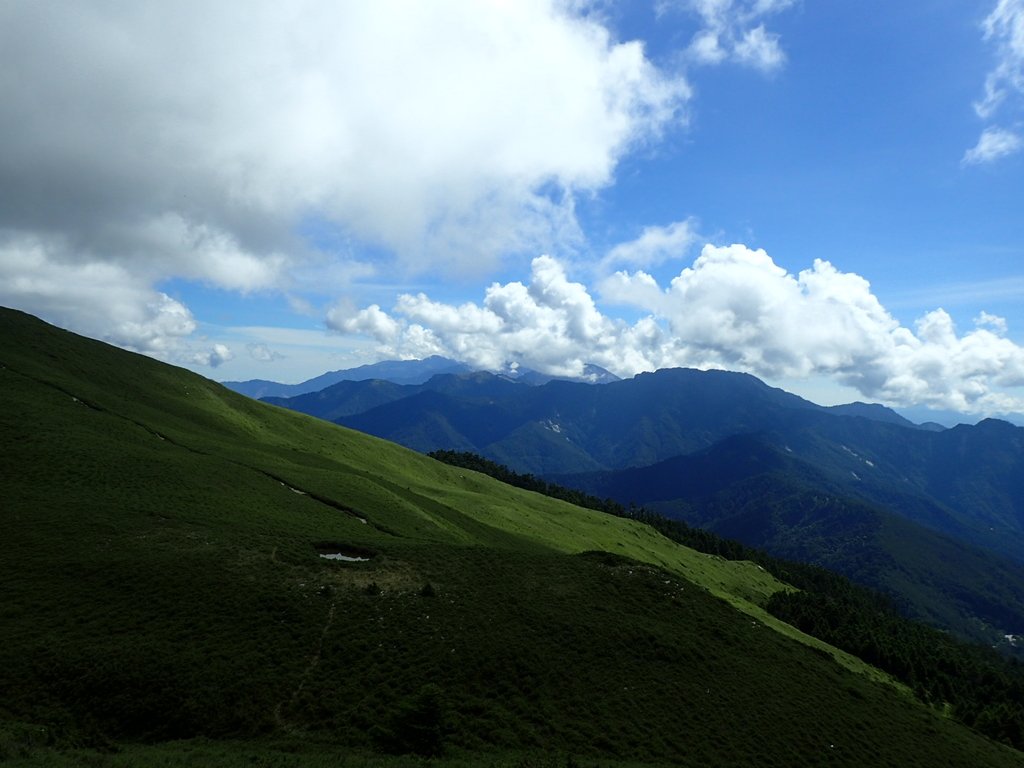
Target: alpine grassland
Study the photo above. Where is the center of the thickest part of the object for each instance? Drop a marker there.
(167, 602)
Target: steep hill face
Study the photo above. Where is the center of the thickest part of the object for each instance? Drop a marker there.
(164, 577)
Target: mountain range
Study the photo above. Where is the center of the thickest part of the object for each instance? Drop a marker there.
(933, 516)
(405, 372)
(398, 371)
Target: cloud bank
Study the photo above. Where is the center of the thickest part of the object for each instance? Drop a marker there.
(152, 140)
(734, 308)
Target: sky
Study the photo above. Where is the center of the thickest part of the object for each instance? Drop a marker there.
(828, 194)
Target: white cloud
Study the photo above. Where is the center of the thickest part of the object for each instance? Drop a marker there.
(263, 353)
(733, 308)
(706, 48)
(996, 323)
(547, 324)
(196, 250)
(733, 30)
(654, 246)
(102, 300)
(371, 321)
(195, 140)
(993, 144)
(1004, 28)
(214, 357)
(760, 49)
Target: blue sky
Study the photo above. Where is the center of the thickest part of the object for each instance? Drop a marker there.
(825, 193)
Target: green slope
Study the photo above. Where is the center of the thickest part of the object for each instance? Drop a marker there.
(176, 416)
(161, 577)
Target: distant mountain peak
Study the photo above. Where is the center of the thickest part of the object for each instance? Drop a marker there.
(395, 371)
(872, 411)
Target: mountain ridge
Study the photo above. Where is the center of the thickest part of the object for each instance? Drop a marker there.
(397, 371)
(407, 372)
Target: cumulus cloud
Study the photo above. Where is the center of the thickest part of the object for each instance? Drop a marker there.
(552, 324)
(196, 140)
(371, 321)
(733, 30)
(733, 308)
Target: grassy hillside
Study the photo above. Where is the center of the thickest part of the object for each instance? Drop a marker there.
(746, 489)
(162, 580)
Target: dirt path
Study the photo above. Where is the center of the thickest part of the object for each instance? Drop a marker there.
(314, 660)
